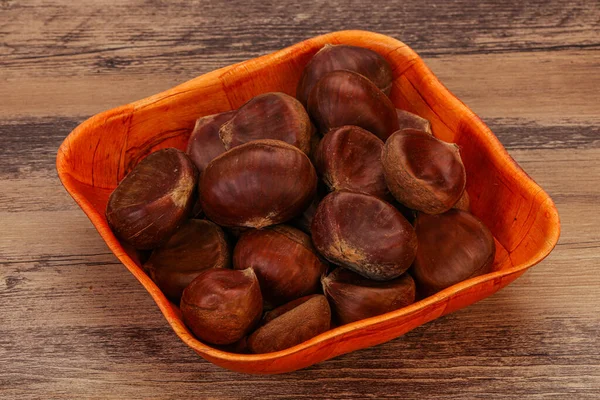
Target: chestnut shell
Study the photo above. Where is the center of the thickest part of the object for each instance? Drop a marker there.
(221, 306)
(195, 247)
(353, 297)
(408, 120)
(453, 246)
(349, 158)
(365, 234)
(205, 144)
(347, 98)
(330, 58)
(464, 203)
(422, 172)
(284, 260)
(291, 324)
(275, 115)
(257, 184)
(153, 200)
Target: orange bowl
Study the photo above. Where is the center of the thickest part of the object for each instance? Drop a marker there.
(522, 217)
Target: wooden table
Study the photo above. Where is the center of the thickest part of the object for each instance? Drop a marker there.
(75, 324)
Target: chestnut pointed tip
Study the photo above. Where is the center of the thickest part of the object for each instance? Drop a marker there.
(225, 134)
(325, 281)
(249, 272)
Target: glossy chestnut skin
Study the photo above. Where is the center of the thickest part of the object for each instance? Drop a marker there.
(284, 260)
(221, 306)
(153, 200)
(464, 203)
(337, 57)
(408, 120)
(257, 184)
(349, 158)
(291, 324)
(195, 247)
(422, 172)
(353, 297)
(347, 98)
(365, 234)
(205, 144)
(453, 246)
(275, 115)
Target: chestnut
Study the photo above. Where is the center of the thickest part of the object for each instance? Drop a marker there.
(464, 203)
(275, 116)
(284, 260)
(291, 324)
(153, 200)
(422, 172)
(408, 120)
(365, 234)
(257, 184)
(197, 246)
(453, 246)
(353, 297)
(205, 144)
(349, 158)
(221, 306)
(330, 58)
(347, 98)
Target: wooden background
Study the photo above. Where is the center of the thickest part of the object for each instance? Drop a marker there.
(75, 324)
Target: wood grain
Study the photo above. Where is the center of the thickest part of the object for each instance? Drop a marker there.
(75, 324)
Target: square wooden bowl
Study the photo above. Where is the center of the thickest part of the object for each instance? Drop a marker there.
(522, 217)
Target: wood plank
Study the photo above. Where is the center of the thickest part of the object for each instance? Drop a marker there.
(153, 37)
(533, 86)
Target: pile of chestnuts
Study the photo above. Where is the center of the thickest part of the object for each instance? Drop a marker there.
(289, 216)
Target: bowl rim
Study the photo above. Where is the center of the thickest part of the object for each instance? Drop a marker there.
(172, 317)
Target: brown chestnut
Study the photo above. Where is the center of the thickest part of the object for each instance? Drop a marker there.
(365, 234)
(422, 172)
(291, 324)
(349, 158)
(221, 306)
(408, 120)
(197, 246)
(464, 203)
(275, 116)
(353, 297)
(453, 246)
(284, 261)
(347, 98)
(153, 200)
(257, 184)
(205, 144)
(330, 58)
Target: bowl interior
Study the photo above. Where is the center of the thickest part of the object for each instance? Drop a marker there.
(102, 150)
